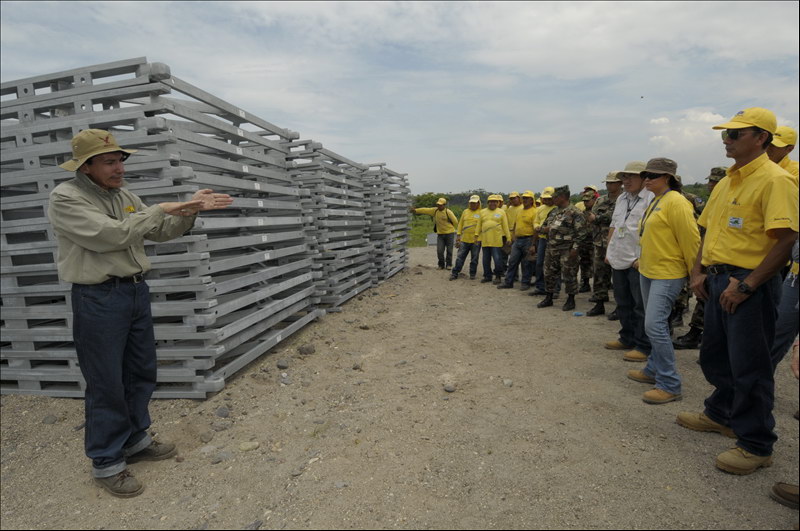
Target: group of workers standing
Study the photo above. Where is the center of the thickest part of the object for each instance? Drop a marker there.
(652, 242)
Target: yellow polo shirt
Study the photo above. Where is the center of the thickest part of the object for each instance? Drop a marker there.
(744, 209)
(512, 212)
(468, 225)
(525, 222)
(492, 226)
(445, 220)
(791, 166)
(580, 205)
(541, 215)
(669, 238)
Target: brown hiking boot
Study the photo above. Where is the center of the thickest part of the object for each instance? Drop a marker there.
(634, 355)
(741, 462)
(616, 345)
(700, 422)
(785, 494)
(122, 485)
(157, 451)
(640, 376)
(659, 396)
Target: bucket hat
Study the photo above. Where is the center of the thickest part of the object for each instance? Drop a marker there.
(91, 142)
(661, 165)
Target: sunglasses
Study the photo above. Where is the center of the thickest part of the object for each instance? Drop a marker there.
(653, 175)
(734, 134)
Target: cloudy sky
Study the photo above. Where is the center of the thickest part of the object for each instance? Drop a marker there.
(459, 95)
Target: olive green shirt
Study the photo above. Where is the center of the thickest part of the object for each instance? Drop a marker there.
(101, 232)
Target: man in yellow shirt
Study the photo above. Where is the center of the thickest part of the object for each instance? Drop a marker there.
(539, 245)
(751, 223)
(467, 239)
(782, 144)
(493, 233)
(444, 225)
(522, 235)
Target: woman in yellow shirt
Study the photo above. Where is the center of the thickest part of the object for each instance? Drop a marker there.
(669, 241)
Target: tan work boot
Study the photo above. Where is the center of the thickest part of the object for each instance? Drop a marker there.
(122, 485)
(634, 355)
(700, 422)
(616, 345)
(741, 462)
(640, 376)
(659, 396)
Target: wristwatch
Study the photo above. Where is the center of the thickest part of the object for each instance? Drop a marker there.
(744, 288)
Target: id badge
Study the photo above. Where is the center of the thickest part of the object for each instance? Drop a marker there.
(735, 223)
(620, 232)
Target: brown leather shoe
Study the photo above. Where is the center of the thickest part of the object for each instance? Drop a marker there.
(122, 485)
(741, 462)
(157, 451)
(785, 494)
(640, 376)
(700, 422)
(659, 396)
(634, 355)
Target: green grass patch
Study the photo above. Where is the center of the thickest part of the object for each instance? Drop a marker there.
(421, 226)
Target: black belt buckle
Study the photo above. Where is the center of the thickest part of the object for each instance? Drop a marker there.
(138, 277)
(718, 269)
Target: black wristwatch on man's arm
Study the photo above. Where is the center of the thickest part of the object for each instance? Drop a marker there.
(744, 288)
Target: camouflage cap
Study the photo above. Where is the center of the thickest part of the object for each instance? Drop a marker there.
(561, 190)
(717, 173)
(588, 195)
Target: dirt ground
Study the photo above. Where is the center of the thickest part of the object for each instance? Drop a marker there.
(543, 430)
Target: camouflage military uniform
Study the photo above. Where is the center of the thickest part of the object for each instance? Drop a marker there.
(567, 228)
(603, 210)
(585, 253)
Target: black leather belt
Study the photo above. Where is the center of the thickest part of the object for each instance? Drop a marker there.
(138, 277)
(720, 269)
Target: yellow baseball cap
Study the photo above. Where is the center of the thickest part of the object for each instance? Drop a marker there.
(784, 136)
(752, 117)
(495, 197)
(474, 199)
(547, 193)
(513, 195)
(91, 142)
(530, 194)
(441, 201)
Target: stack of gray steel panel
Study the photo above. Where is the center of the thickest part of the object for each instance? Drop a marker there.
(236, 285)
(388, 197)
(342, 251)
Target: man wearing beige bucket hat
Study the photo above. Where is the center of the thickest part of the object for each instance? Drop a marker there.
(100, 227)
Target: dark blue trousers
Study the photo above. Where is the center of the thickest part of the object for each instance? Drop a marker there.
(115, 343)
(496, 254)
(519, 255)
(630, 308)
(464, 250)
(735, 358)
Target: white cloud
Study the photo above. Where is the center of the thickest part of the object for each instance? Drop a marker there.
(659, 121)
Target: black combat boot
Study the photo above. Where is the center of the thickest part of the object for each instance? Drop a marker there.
(569, 304)
(585, 288)
(548, 301)
(689, 341)
(599, 309)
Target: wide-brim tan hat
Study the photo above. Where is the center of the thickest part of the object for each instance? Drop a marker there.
(89, 143)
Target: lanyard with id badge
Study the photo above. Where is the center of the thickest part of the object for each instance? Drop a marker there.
(622, 231)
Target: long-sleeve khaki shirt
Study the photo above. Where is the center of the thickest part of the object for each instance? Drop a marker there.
(101, 232)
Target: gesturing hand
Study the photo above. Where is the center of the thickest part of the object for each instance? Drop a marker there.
(211, 201)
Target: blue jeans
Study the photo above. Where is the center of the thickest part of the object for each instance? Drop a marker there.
(115, 342)
(496, 254)
(519, 254)
(464, 250)
(659, 295)
(735, 358)
(630, 309)
(540, 250)
(786, 327)
(444, 248)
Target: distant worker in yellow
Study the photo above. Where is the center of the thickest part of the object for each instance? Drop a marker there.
(783, 142)
(467, 239)
(523, 238)
(493, 233)
(444, 225)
